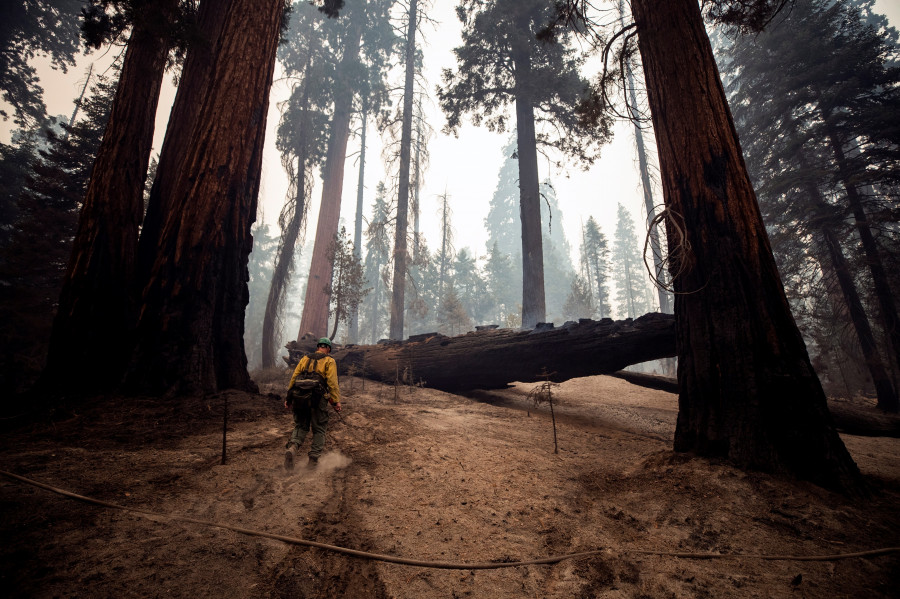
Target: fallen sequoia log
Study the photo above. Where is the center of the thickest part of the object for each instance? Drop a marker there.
(492, 358)
(650, 381)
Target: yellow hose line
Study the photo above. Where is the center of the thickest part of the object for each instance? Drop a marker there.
(438, 564)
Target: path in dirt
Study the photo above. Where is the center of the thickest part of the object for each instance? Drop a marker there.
(427, 475)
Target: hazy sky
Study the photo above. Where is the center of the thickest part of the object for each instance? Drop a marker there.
(466, 167)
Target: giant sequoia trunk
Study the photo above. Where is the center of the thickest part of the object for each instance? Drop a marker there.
(492, 359)
(192, 319)
(96, 307)
(748, 390)
(533, 299)
(315, 304)
(188, 101)
(398, 292)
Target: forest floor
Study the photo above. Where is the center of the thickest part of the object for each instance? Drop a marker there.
(427, 475)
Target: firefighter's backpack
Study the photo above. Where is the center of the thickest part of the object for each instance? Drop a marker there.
(309, 386)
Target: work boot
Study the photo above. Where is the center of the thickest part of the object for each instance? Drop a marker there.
(289, 455)
(313, 461)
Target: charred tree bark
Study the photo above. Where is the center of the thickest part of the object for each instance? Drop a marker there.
(97, 310)
(315, 304)
(398, 294)
(748, 392)
(491, 359)
(190, 335)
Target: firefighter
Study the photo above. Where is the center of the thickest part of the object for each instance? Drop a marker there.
(313, 388)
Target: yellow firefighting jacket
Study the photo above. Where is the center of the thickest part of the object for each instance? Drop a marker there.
(327, 367)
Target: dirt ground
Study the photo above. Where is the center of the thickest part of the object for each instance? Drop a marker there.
(422, 474)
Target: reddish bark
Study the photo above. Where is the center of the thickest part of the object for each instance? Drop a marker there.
(96, 308)
(188, 101)
(315, 304)
(748, 391)
(192, 317)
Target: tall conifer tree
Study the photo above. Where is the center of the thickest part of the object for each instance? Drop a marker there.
(501, 62)
(628, 268)
(97, 305)
(816, 140)
(190, 334)
(747, 388)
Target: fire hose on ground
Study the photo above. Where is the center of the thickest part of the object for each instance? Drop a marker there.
(443, 564)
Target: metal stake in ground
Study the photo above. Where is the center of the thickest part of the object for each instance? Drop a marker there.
(224, 428)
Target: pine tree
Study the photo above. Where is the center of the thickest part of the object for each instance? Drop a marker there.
(351, 46)
(421, 134)
(378, 39)
(376, 267)
(470, 285)
(503, 224)
(422, 291)
(654, 230)
(502, 282)
(501, 62)
(628, 268)
(445, 253)
(346, 288)
(579, 303)
(454, 320)
(33, 262)
(15, 165)
(558, 268)
(816, 134)
(596, 254)
(30, 29)
(398, 288)
(301, 142)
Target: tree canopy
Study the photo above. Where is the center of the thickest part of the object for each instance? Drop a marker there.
(31, 29)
